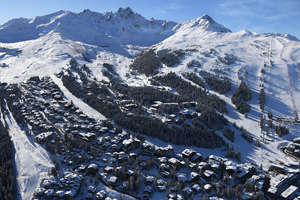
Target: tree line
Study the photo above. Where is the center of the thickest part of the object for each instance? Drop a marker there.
(7, 178)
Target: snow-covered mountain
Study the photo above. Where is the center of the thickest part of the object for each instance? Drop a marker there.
(90, 27)
(44, 45)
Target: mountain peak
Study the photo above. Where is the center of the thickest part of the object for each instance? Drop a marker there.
(125, 12)
(208, 18)
(206, 23)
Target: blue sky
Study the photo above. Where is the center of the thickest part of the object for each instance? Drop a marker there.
(281, 16)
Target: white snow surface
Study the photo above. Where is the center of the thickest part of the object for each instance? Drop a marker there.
(44, 45)
(32, 161)
(89, 111)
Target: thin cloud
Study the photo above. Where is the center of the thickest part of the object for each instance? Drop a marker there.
(174, 6)
(263, 9)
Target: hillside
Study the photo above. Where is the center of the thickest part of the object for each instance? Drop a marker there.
(75, 84)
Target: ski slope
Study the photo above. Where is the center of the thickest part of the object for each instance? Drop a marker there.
(78, 102)
(32, 161)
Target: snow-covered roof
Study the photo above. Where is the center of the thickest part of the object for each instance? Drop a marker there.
(290, 190)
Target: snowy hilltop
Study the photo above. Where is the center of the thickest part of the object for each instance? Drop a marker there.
(116, 105)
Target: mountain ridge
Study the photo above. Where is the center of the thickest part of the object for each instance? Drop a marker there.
(87, 23)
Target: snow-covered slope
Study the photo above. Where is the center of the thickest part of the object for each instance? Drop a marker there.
(30, 46)
(207, 42)
(32, 160)
(106, 29)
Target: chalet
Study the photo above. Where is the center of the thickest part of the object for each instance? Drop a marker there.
(241, 174)
(70, 193)
(174, 162)
(253, 179)
(57, 96)
(92, 169)
(208, 175)
(81, 168)
(108, 169)
(245, 171)
(50, 182)
(181, 177)
(194, 177)
(44, 137)
(215, 198)
(165, 174)
(215, 158)
(92, 189)
(192, 166)
(164, 167)
(196, 188)
(89, 136)
(161, 185)
(187, 153)
(207, 188)
(163, 151)
(290, 193)
(132, 156)
(149, 180)
(172, 116)
(231, 169)
(131, 144)
(116, 147)
(116, 140)
(162, 160)
(101, 195)
(156, 104)
(166, 120)
(148, 148)
(49, 193)
(179, 197)
(172, 196)
(215, 167)
(39, 192)
(202, 166)
(113, 180)
(122, 157)
(186, 113)
(60, 193)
